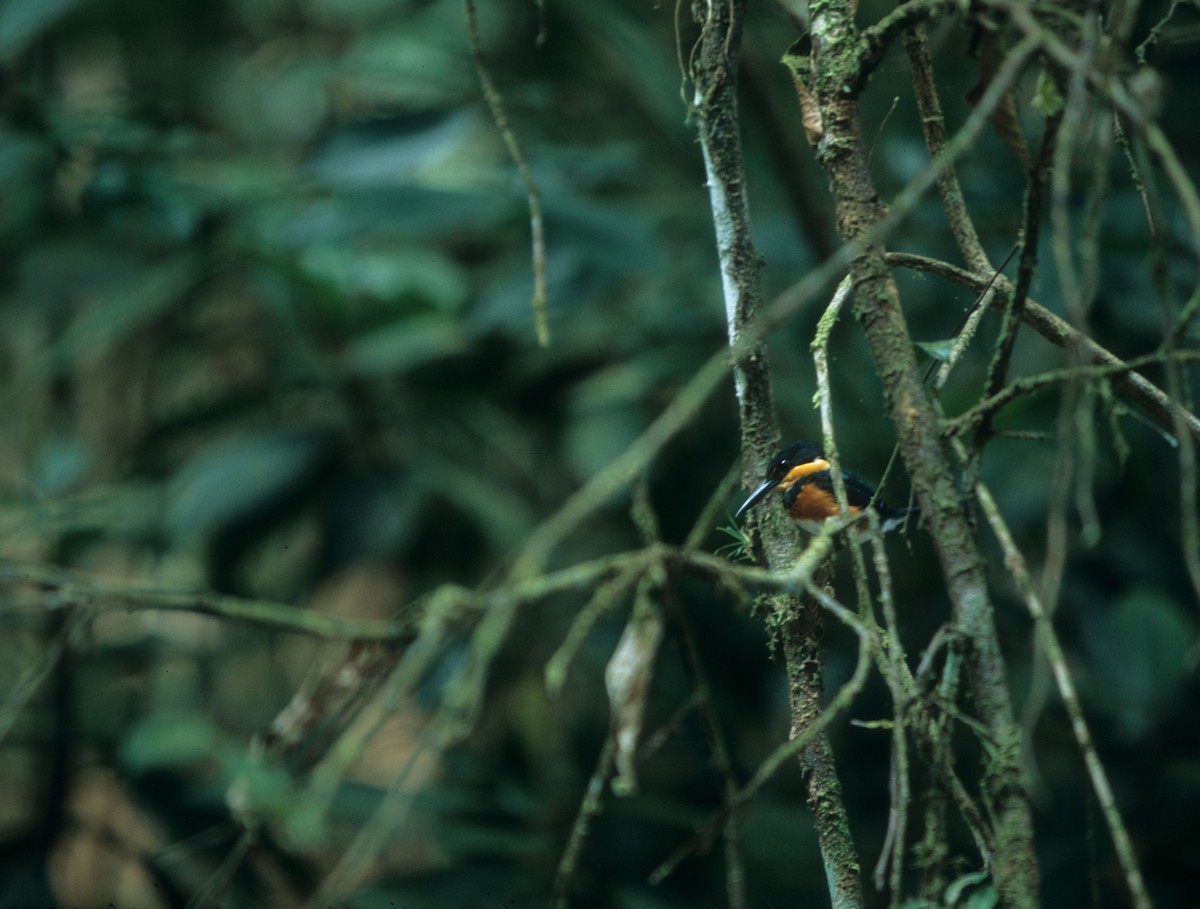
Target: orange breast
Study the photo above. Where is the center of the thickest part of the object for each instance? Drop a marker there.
(815, 504)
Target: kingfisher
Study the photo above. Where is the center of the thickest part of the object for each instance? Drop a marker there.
(802, 474)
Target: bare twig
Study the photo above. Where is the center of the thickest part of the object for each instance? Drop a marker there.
(33, 677)
(1125, 101)
(605, 598)
(903, 688)
(533, 197)
(1066, 688)
(735, 870)
(1026, 264)
(589, 809)
(788, 750)
(617, 473)
(1141, 390)
(1030, 384)
(73, 586)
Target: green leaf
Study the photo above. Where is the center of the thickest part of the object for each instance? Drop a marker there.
(21, 21)
(402, 346)
(126, 305)
(281, 100)
(938, 350)
(398, 150)
(390, 279)
(281, 230)
(1047, 97)
(265, 790)
(61, 463)
(739, 549)
(419, 62)
(233, 478)
(24, 161)
(958, 887)
(1138, 656)
(169, 740)
(983, 898)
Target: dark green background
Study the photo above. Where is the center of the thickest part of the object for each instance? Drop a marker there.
(266, 330)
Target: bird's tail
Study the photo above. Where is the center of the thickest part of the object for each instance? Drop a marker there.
(898, 517)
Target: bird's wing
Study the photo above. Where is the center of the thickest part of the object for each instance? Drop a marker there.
(858, 492)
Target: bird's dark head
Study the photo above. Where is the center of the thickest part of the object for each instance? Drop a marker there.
(797, 460)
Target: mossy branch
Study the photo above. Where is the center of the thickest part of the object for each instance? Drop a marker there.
(796, 621)
(73, 587)
(876, 39)
(860, 213)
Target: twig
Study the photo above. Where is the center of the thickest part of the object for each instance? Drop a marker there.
(1066, 688)
(933, 122)
(972, 418)
(901, 683)
(589, 809)
(1126, 103)
(1075, 108)
(940, 751)
(1156, 31)
(214, 887)
(717, 502)
(784, 753)
(72, 586)
(970, 324)
(877, 38)
(735, 870)
(1026, 264)
(391, 812)
(1057, 331)
(32, 678)
(605, 598)
(609, 480)
(820, 352)
(533, 198)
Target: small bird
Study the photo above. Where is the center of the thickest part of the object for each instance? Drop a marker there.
(801, 473)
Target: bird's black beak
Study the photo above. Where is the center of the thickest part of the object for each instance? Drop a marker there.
(763, 488)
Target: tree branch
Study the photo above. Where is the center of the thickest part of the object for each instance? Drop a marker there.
(877, 38)
(72, 586)
(1066, 688)
(877, 308)
(1062, 334)
(798, 622)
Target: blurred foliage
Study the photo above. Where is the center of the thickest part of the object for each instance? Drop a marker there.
(266, 331)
